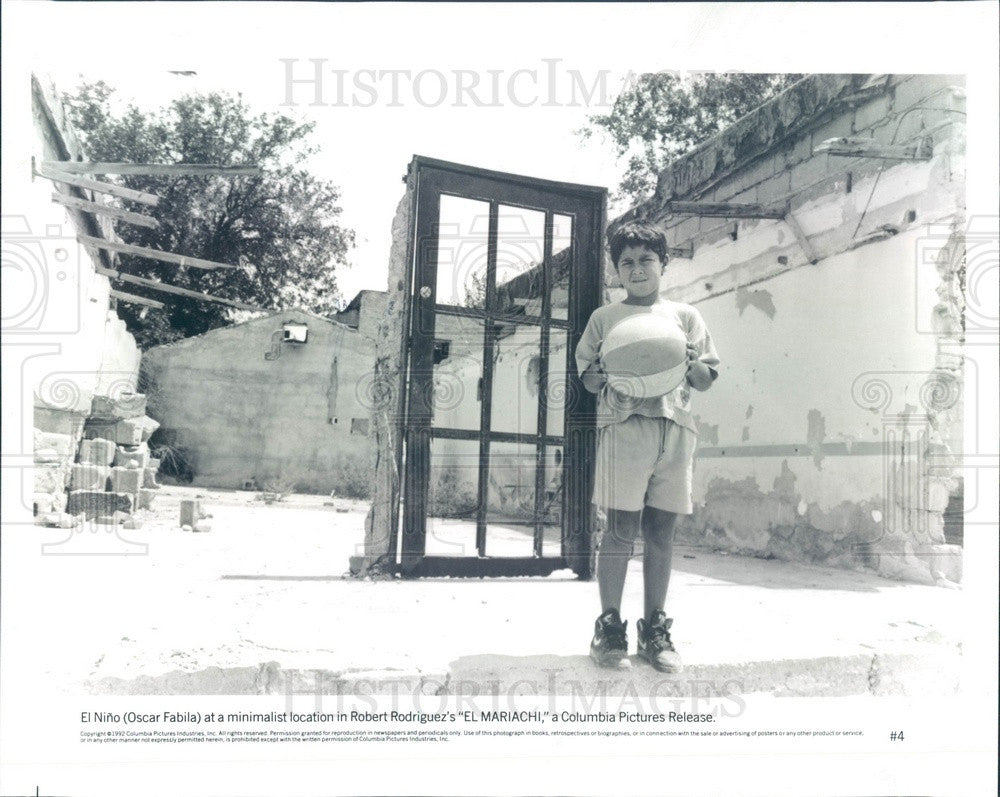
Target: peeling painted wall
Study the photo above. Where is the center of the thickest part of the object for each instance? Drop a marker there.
(832, 432)
(58, 317)
(67, 300)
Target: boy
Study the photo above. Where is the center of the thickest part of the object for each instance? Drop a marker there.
(645, 452)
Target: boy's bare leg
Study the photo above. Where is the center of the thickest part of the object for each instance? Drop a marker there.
(658, 550)
(613, 556)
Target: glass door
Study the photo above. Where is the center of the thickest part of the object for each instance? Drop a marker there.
(498, 468)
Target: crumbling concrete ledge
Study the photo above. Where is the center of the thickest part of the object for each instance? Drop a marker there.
(927, 672)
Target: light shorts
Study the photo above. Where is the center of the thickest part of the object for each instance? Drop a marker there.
(644, 462)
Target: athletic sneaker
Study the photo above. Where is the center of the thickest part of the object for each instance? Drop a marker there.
(655, 645)
(609, 647)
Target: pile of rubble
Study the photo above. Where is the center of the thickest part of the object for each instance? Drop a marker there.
(110, 476)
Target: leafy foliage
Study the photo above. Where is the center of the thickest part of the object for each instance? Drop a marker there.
(281, 229)
(662, 116)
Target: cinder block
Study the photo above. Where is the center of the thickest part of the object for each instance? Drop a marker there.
(914, 126)
(873, 112)
(95, 429)
(59, 421)
(51, 448)
(838, 127)
(56, 518)
(146, 498)
(190, 511)
(42, 503)
(92, 503)
(97, 452)
(914, 90)
(747, 178)
(148, 427)
(60, 443)
(126, 480)
(149, 479)
(45, 505)
(810, 172)
(50, 478)
(89, 477)
(128, 432)
(132, 456)
(686, 232)
(127, 405)
(800, 150)
(775, 190)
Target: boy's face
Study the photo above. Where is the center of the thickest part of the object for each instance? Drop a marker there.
(640, 269)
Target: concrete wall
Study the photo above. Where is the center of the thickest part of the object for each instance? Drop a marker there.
(831, 433)
(59, 329)
(245, 408)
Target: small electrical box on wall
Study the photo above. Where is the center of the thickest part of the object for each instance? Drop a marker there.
(294, 333)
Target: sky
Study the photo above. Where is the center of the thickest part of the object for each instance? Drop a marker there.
(499, 86)
(386, 99)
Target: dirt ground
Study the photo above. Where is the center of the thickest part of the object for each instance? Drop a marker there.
(264, 599)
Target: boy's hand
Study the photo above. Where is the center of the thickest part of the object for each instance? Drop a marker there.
(699, 375)
(594, 377)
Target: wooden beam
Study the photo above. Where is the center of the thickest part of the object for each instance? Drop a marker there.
(800, 236)
(105, 210)
(96, 185)
(159, 169)
(868, 148)
(727, 210)
(152, 254)
(160, 286)
(133, 299)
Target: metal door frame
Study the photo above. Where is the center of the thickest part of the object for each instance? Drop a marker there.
(586, 204)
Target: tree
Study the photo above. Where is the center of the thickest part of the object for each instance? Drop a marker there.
(662, 116)
(280, 229)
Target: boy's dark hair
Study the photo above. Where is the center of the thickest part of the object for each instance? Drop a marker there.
(636, 233)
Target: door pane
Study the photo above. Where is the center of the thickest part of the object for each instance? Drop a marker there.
(558, 383)
(515, 379)
(552, 502)
(510, 507)
(452, 497)
(520, 250)
(463, 231)
(457, 372)
(562, 259)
